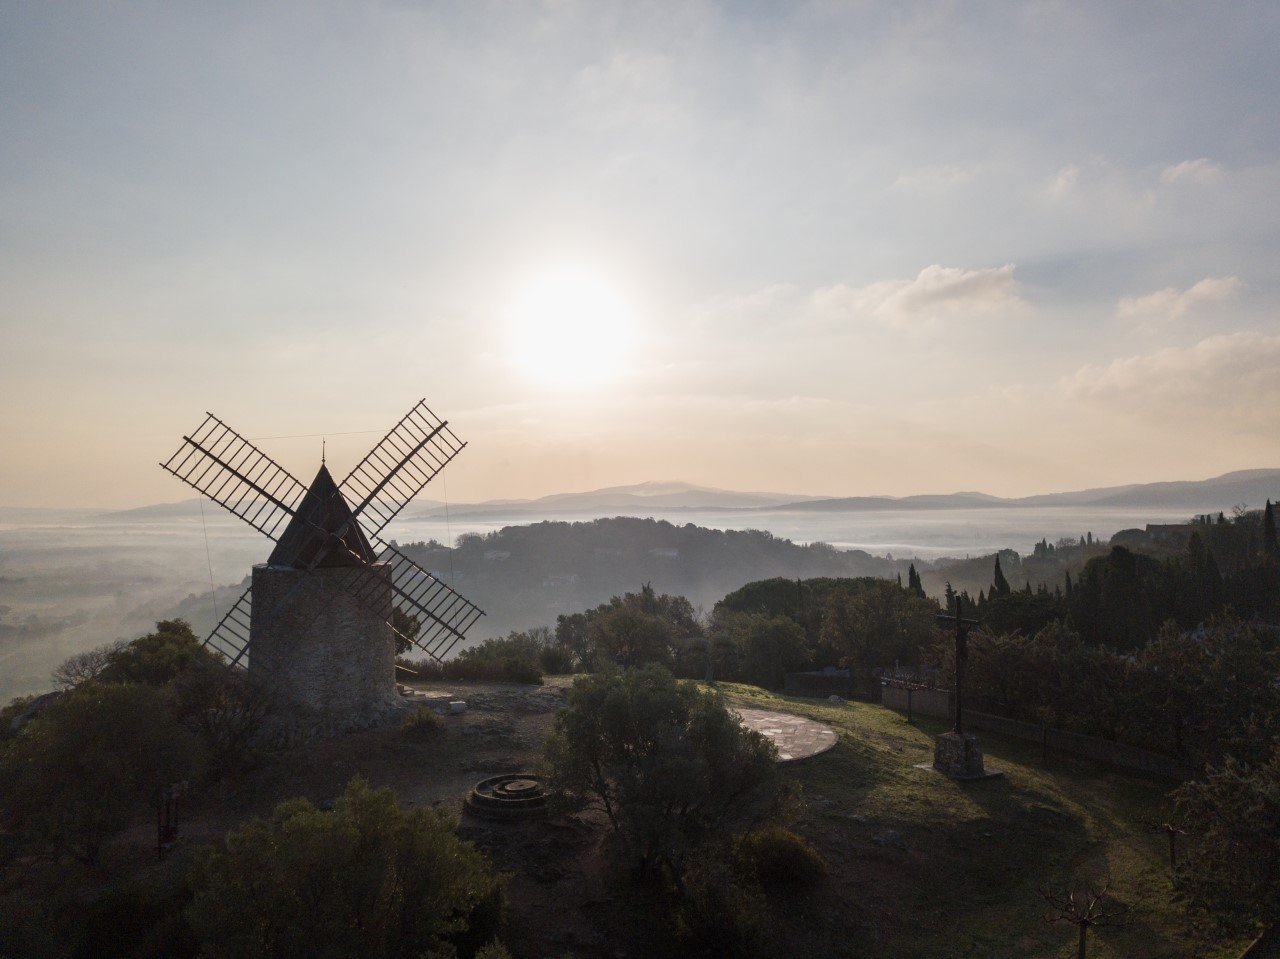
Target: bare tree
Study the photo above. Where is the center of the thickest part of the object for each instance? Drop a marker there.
(1085, 907)
(85, 666)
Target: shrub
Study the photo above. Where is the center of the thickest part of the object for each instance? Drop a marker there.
(376, 880)
(423, 723)
(1231, 872)
(556, 660)
(510, 660)
(494, 950)
(79, 773)
(722, 912)
(779, 855)
(667, 763)
(421, 670)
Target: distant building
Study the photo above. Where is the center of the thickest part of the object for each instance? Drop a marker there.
(667, 552)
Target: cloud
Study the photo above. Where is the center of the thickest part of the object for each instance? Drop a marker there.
(1202, 171)
(1063, 184)
(936, 179)
(1231, 381)
(1173, 304)
(937, 293)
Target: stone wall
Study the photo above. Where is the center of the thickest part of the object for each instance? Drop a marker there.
(318, 647)
(926, 702)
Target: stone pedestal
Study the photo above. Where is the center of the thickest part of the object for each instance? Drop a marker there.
(959, 756)
(319, 648)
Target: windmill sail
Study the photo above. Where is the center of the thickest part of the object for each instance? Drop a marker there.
(314, 527)
(224, 466)
(397, 469)
(443, 615)
(231, 636)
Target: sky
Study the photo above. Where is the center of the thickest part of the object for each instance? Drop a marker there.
(821, 248)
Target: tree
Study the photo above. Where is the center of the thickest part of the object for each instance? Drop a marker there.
(772, 647)
(669, 766)
(367, 879)
(1232, 872)
(1270, 546)
(1085, 908)
(999, 585)
(158, 657)
(628, 636)
(82, 667)
(879, 625)
(80, 772)
(407, 627)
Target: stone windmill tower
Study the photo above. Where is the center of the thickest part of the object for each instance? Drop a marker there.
(321, 618)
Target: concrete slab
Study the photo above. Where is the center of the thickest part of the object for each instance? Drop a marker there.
(795, 736)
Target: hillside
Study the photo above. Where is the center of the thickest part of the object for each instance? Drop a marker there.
(527, 575)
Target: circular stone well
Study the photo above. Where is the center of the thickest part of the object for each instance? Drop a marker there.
(512, 796)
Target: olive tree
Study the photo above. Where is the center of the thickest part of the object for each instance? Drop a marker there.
(667, 763)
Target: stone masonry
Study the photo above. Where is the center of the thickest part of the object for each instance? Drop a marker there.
(319, 648)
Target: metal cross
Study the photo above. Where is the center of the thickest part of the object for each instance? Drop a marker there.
(962, 627)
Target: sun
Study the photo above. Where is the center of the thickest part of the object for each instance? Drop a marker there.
(569, 327)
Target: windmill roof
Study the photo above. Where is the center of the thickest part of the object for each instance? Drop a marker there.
(323, 532)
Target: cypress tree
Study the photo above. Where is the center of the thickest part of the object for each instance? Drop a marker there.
(1269, 544)
(999, 585)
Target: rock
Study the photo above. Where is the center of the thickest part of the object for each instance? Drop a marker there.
(833, 698)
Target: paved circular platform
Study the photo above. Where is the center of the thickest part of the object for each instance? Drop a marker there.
(795, 736)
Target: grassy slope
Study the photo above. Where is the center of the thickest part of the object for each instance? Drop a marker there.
(962, 880)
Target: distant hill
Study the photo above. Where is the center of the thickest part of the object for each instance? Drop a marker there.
(1220, 493)
(527, 575)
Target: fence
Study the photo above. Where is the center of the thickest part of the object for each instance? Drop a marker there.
(937, 702)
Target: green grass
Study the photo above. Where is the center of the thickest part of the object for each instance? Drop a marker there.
(962, 879)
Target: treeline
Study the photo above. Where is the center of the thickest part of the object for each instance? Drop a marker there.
(755, 634)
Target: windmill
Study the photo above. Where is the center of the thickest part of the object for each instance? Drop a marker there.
(321, 618)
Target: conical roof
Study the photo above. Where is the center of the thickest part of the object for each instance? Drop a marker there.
(321, 518)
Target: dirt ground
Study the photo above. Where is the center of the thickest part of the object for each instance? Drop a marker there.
(561, 903)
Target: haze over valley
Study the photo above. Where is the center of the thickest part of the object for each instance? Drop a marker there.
(73, 579)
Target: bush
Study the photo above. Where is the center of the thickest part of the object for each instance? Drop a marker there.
(722, 912)
(423, 723)
(556, 660)
(374, 880)
(510, 660)
(1231, 873)
(79, 773)
(667, 763)
(779, 855)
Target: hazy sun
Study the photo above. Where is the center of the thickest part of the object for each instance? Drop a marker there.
(569, 327)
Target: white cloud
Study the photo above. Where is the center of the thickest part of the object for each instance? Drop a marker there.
(1231, 382)
(1202, 171)
(1173, 304)
(937, 293)
(1063, 184)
